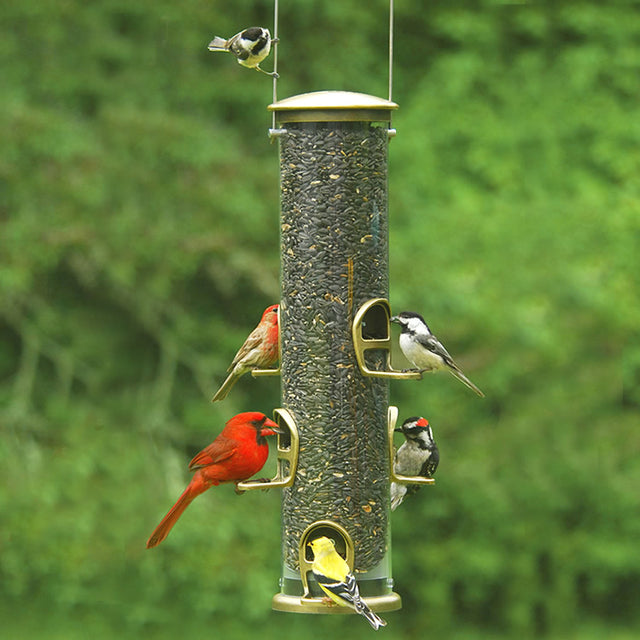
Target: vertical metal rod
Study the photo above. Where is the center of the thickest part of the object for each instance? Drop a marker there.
(390, 50)
(275, 61)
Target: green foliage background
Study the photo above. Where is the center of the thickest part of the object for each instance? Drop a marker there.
(139, 245)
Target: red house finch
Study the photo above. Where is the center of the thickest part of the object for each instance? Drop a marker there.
(259, 350)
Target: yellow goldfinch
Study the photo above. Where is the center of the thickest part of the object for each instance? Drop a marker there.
(332, 574)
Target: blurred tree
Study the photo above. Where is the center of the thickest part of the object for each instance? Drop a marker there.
(139, 245)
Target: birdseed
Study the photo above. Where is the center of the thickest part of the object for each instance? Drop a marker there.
(334, 247)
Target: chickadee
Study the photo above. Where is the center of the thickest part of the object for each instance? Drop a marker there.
(424, 350)
(250, 47)
(418, 456)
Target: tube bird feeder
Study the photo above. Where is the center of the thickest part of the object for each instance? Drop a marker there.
(334, 324)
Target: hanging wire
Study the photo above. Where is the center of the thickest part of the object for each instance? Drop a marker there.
(275, 57)
(275, 53)
(390, 49)
(275, 61)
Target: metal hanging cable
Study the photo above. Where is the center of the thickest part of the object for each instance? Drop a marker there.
(390, 50)
(275, 61)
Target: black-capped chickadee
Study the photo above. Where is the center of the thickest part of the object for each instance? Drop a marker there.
(424, 350)
(418, 456)
(250, 47)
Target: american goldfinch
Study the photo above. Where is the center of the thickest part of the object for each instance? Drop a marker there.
(332, 574)
(424, 350)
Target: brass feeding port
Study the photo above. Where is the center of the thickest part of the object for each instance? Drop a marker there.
(313, 600)
(287, 455)
(371, 331)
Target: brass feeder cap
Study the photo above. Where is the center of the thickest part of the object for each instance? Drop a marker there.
(333, 106)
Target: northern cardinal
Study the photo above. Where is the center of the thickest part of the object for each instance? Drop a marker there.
(259, 350)
(424, 350)
(235, 455)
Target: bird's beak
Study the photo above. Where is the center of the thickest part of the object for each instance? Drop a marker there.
(270, 424)
(398, 430)
(395, 319)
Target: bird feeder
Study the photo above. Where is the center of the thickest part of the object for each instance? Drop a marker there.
(335, 341)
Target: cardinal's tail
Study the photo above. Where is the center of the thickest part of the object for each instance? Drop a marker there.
(195, 488)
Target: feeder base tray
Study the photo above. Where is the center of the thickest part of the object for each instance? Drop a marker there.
(296, 604)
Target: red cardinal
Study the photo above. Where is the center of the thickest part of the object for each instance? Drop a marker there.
(235, 455)
(260, 350)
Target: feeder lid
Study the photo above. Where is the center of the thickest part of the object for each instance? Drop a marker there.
(333, 106)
